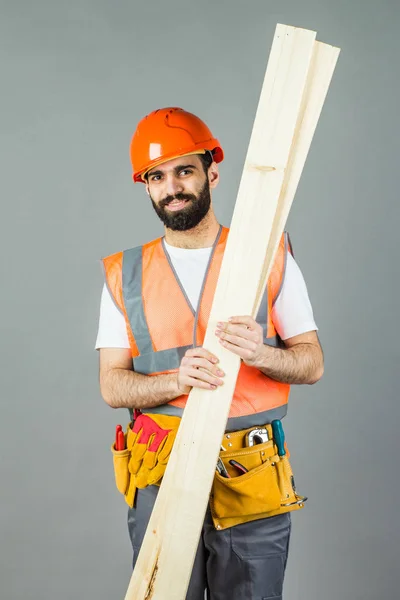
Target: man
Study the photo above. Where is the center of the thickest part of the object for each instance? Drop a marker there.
(153, 317)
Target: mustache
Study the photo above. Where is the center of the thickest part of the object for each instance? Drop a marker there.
(168, 199)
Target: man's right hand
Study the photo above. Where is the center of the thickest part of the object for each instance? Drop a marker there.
(199, 369)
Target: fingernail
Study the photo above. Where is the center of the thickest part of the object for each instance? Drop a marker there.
(219, 324)
(214, 360)
(220, 373)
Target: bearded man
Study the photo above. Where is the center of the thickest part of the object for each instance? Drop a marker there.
(154, 312)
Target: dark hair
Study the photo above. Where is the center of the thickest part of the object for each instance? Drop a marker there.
(206, 160)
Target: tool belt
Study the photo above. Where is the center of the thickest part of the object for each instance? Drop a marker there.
(259, 484)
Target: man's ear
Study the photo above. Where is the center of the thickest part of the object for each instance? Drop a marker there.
(213, 175)
(147, 189)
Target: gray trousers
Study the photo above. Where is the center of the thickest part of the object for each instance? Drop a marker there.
(245, 562)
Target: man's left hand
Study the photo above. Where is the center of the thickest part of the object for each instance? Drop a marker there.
(242, 336)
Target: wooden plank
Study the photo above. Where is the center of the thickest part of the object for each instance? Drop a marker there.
(166, 558)
(320, 74)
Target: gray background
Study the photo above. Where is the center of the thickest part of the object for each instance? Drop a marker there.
(75, 78)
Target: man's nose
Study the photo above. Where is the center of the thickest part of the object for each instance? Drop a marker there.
(173, 185)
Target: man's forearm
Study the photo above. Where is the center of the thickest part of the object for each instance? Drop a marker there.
(300, 364)
(122, 388)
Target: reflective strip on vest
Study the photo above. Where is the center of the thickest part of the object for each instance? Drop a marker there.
(132, 291)
(157, 362)
(275, 341)
(168, 360)
(286, 248)
(262, 315)
(234, 423)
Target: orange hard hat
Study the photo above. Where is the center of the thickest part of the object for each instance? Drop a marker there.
(167, 133)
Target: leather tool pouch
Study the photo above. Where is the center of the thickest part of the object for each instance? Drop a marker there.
(148, 445)
(267, 489)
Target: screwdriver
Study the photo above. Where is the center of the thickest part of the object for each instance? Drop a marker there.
(279, 436)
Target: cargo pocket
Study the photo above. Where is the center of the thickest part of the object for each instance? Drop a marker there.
(261, 549)
(121, 470)
(267, 577)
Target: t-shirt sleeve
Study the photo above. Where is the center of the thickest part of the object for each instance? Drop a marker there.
(112, 327)
(292, 313)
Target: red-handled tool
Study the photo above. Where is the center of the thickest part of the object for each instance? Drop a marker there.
(239, 466)
(119, 438)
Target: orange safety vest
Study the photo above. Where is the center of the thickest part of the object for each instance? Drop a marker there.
(162, 325)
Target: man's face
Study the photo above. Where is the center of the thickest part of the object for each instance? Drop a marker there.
(180, 192)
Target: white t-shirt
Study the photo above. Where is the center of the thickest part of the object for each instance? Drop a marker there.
(292, 313)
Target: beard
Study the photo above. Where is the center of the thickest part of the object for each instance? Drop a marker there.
(190, 215)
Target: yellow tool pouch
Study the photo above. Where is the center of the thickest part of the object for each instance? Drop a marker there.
(267, 489)
(148, 443)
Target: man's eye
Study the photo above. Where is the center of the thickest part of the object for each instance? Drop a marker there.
(155, 177)
(186, 171)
